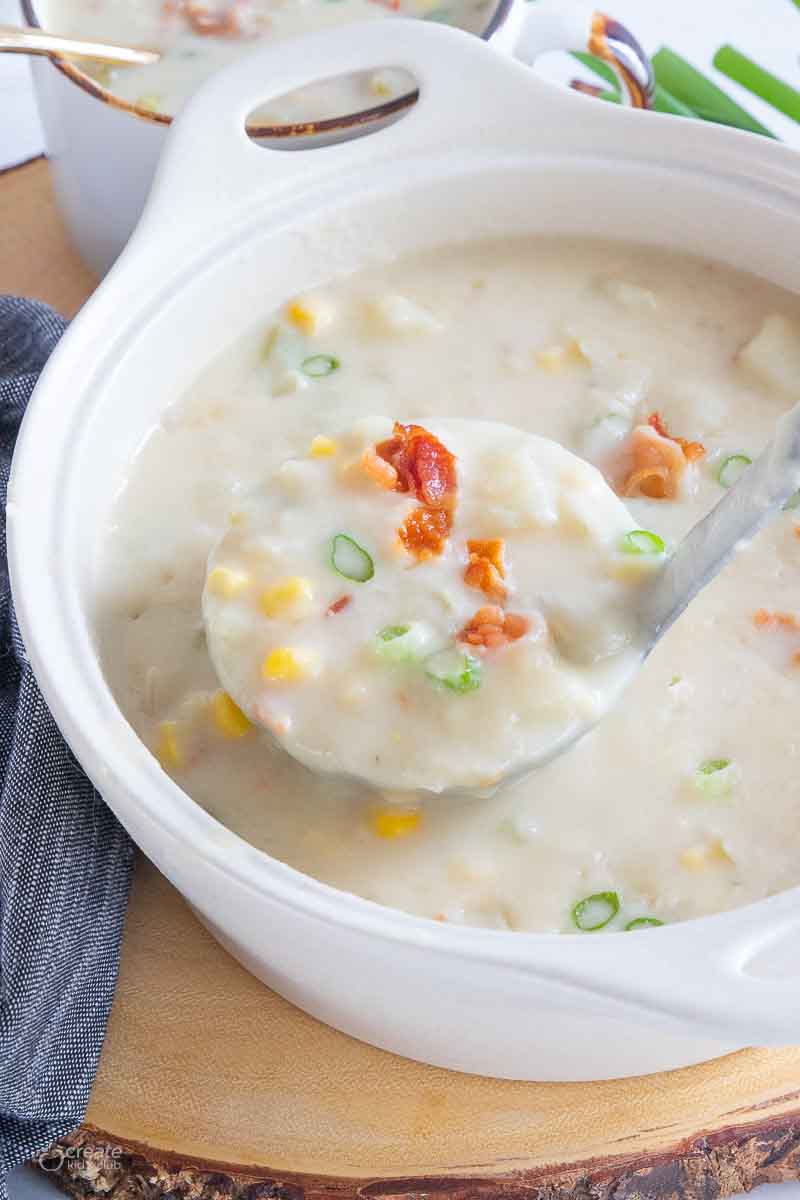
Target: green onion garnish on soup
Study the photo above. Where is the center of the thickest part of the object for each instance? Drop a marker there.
(716, 777)
(403, 643)
(351, 560)
(454, 670)
(732, 468)
(317, 366)
(596, 911)
(642, 923)
(642, 541)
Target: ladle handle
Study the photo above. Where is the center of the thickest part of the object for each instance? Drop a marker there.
(22, 39)
(762, 490)
(554, 25)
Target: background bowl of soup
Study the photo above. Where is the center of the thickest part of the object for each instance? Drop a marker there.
(105, 128)
(234, 230)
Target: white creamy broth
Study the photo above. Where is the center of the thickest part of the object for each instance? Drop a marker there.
(438, 643)
(684, 800)
(197, 39)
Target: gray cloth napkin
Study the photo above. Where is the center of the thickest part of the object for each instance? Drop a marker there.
(65, 862)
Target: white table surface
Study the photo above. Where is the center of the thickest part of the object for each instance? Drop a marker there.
(767, 30)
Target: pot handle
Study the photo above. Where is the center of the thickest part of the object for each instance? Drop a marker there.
(735, 976)
(212, 165)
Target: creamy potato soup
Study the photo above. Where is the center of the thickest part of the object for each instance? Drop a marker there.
(662, 372)
(196, 39)
(453, 610)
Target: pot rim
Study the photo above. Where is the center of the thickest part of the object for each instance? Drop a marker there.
(329, 125)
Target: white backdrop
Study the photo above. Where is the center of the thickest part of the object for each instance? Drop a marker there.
(766, 30)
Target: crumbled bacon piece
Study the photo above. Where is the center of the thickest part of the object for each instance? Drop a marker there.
(486, 568)
(423, 465)
(219, 22)
(766, 619)
(491, 627)
(658, 464)
(692, 450)
(337, 606)
(379, 470)
(425, 531)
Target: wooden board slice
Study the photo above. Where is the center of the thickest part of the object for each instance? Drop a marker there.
(211, 1087)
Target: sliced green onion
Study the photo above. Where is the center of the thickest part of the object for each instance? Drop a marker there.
(761, 83)
(716, 777)
(592, 63)
(642, 923)
(403, 643)
(665, 102)
(732, 468)
(642, 541)
(709, 102)
(454, 670)
(793, 501)
(351, 560)
(319, 365)
(595, 912)
(441, 15)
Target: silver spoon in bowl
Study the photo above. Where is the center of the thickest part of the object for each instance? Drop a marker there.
(16, 39)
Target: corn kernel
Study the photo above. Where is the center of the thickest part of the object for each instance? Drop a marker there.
(308, 314)
(379, 85)
(290, 598)
(323, 447)
(228, 717)
(395, 822)
(698, 858)
(553, 359)
(222, 581)
(287, 665)
(168, 750)
(694, 858)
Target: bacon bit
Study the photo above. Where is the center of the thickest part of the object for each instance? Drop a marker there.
(653, 482)
(797, 531)
(484, 577)
(337, 606)
(486, 568)
(764, 619)
(491, 627)
(223, 22)
(379, 470)
(494, 549)
(658, 465)
(692, 450)
(425, 531)
(426, 468)
(440, 917)
(423, 465)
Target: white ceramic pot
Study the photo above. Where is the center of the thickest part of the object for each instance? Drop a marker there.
(103, 151)
(230, 231)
